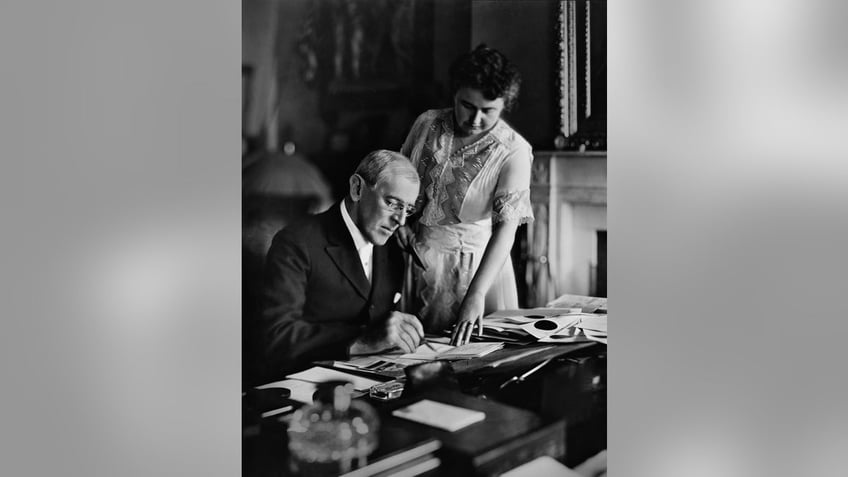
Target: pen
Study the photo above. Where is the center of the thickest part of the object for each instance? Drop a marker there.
(427, 344)
(518, 379)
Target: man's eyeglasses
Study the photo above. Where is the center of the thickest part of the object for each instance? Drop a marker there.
(392, 204)
(397, 206)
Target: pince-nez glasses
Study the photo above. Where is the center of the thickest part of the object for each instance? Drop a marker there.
(398, 207)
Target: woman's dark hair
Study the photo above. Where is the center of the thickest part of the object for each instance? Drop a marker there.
(489, 71)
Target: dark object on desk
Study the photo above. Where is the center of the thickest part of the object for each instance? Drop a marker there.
(571, 387)
(433, 374)
(262, 400)
(262, 405)
(513, 336)
(508, 437)
(512, 359)
(387, 391)
(581, 383)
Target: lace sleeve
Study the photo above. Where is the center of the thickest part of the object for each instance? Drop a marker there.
(513, 205)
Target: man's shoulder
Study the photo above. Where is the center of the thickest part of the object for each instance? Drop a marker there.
(307, 230)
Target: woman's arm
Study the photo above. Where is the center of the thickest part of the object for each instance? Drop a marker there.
(497, 251)
(514, 177)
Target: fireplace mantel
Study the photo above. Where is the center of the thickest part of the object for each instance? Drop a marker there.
(575, 177)
(569, 195)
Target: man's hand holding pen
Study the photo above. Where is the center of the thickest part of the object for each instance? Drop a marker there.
(399, 330)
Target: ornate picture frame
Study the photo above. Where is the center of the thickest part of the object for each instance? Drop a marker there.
(582, 75)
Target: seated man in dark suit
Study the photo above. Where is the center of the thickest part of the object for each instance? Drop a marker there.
(332, 281)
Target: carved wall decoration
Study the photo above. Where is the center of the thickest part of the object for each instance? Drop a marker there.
(582, 75)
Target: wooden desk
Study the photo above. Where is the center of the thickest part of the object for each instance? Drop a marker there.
(566, 398)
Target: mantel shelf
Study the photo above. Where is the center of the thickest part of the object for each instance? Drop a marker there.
(576, 177)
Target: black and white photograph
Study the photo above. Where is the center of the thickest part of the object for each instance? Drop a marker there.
(409, 270)
(424, 230)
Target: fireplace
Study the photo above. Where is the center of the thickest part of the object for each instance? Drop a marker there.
(564, 250)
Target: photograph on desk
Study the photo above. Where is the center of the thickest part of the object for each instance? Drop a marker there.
(423, 233)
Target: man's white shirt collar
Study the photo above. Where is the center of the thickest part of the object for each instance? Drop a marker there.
(364, 248)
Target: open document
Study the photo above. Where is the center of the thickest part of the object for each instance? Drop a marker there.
(393, 364)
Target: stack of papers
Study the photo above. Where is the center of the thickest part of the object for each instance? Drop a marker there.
(303, 384)
(318, 374)
(444, 351)
(471, 350)
(551, 325)
(425, 353)
(393, 364)
(385, 365)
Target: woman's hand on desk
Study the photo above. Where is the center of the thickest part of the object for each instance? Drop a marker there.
(470, 316)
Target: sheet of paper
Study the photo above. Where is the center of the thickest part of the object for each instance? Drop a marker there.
(506, 323)
(600, 339)
(544, 465)
(425, 353)
(594, 323)
(318, 374)
(384, 365)
(301, 391)
(471, 350)
(437, 414)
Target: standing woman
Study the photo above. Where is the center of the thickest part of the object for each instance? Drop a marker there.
(475, 192)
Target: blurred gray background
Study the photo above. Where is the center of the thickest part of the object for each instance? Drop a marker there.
(121, 197)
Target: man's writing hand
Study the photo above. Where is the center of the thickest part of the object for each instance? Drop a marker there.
(400, 330)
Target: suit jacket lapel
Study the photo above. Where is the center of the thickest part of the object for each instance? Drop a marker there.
(379, 266)
(341, 250)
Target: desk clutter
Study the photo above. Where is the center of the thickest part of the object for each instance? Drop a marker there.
(405, 424)
(545, 325)
(392, 365)
(439, 430)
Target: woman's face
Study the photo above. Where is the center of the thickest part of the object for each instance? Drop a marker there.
(474, 113)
